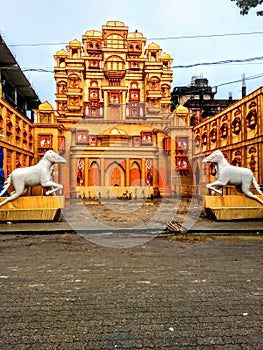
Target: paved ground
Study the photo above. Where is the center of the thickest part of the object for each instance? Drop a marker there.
(63, 291)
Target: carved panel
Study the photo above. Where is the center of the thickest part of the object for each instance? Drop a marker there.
(147, 138)
(136, 141)
(82, 137)
(44, 141)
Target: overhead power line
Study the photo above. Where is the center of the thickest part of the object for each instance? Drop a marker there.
(203, 36)
(252, 77)
(220, 62)
(154, 38)
(39, 70)
(37, 44)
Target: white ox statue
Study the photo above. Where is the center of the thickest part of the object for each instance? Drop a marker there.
(39, 174)
(229, 174)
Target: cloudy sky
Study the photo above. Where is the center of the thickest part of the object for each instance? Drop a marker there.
(36, 30)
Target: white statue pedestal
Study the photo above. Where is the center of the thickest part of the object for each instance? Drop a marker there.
(233, 207)
(32, 208)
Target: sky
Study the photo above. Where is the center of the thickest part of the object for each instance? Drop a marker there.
(36, 30)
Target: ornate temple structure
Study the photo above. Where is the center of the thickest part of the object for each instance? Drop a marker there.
(112, 120)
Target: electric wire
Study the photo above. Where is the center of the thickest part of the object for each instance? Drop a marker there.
(153, 38)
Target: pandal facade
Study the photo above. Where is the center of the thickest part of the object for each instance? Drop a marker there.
(112, 120)
(113, 124)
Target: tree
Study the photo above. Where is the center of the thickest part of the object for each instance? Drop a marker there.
(246, 5)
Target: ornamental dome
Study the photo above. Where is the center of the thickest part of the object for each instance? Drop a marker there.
(93, 33)
(165, 56)
(153, 46)
(181, 110)
(75, 43)
(45, 106)
(61, 53)
(115, 24)
(116, 131)
(135, 35)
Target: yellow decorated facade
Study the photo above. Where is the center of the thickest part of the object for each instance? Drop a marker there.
(17, 138)
(238, 132)
(112, 120)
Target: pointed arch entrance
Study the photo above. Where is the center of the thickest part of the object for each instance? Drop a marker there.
(135, 174)
(94, 174)
(115, 175)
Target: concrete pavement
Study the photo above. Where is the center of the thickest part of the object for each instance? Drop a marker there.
(96, 280)
(63, 291)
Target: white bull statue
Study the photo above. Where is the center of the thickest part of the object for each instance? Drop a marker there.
(229, 174)
(39, 174)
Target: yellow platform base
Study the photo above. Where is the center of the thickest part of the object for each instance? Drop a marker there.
(233, 207)
(32, 208)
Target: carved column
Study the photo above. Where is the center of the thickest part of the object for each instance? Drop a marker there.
(73, 175)
(143, 172)
(127, 171)
(102, 171)
(155, 177)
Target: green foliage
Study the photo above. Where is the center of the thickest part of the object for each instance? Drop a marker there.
(246, 5)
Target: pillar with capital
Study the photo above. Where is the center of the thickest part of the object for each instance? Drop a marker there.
(123, 105)
(106, 105)
(155, 177)
(102, 172)
(143, 172)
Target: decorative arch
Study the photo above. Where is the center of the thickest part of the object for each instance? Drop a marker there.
(165, 88)
(204, 136)
(213, 132)
(62, 86)
(94, 83)
(154, 83)
(135, 174)
(74, 80)
(251, 118)
(115, 175)
(94, 174)
(134, 84)
(115, 41)
(212, 135)
(93, 45)
(224, 130)
(115, 63)
(236, 125)
(237, 159)
(134, 46)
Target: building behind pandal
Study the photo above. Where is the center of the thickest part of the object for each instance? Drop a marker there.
(113, 123)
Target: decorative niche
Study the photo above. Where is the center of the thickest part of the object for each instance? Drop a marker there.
(45, 141)
(136, 141)
(82, 137)
(224, 131)
(93, 140)
(147, 138)
(251, 119)
(236, 125)
(213, 135)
